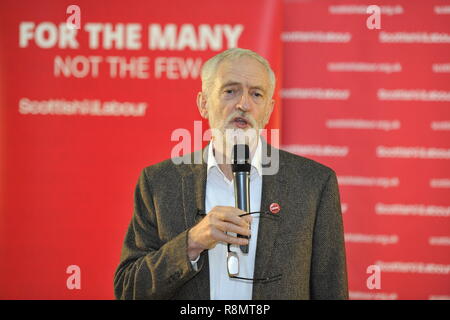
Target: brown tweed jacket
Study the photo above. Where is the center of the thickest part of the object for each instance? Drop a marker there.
(305, 244)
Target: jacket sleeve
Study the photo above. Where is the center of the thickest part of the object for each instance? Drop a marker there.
(148, 268)
(328, 266)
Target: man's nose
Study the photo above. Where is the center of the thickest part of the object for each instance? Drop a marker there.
(244, 102)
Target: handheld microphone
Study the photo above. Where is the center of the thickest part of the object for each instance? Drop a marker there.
(241, 172)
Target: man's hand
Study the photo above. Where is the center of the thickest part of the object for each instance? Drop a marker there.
(214, 227)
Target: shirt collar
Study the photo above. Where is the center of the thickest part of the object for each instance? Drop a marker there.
(255, 163)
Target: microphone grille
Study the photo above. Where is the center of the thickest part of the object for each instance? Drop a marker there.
(241, 156)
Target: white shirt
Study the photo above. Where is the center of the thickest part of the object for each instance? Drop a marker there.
(220, 192)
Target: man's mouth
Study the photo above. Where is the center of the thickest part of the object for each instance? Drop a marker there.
(240, 122)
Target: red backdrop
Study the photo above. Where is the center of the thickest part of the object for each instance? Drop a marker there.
(73, 140)
(361, 101)
(69, 170)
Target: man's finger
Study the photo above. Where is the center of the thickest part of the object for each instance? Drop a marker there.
(226, 238)
(233, 217)
(230, 227)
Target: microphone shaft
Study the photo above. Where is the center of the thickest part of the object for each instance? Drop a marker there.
(242, 197)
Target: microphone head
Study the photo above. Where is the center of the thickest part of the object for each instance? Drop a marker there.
(241, 156)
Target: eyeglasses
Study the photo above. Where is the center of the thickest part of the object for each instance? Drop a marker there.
(233, 258)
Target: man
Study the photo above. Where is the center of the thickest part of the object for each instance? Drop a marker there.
(184, 222)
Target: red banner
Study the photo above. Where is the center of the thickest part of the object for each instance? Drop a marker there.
(84, 110)
(366, 91)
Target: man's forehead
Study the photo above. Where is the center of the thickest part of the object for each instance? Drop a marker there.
(243, 71)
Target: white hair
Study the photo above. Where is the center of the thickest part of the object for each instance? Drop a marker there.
(210, 67)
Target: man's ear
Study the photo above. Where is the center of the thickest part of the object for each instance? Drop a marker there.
(201, 105)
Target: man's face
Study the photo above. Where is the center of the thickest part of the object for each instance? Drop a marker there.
(239, 98)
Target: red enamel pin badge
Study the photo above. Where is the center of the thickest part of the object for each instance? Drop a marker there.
(275, 208)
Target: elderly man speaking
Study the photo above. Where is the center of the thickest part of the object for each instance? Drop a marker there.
(187, 239)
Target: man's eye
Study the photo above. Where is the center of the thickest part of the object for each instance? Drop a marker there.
(258, 95)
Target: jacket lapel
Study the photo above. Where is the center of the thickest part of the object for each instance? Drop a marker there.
(273, 191)
(193, 178)
(194, 190)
